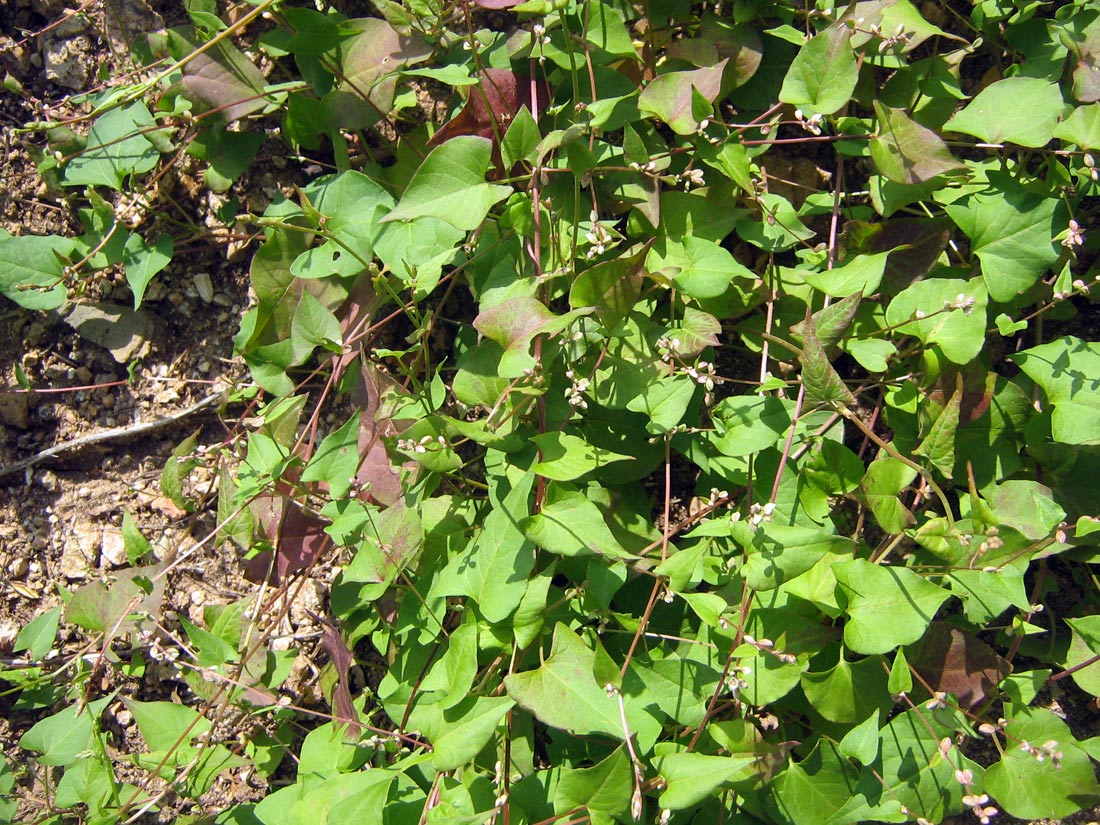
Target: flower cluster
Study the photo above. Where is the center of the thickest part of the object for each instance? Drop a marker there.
(598, 237)
(703, 373)
(811, 124)
(1075, 236)
(410, 445)
(1048, 750)
(577, 388)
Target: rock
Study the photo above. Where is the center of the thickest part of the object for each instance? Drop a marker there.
(67, 58)
(112, 548)
(129, 20)
(122, 331)
(15, 409)
(204, 286)
(80, 550)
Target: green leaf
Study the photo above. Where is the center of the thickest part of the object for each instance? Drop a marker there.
(454, 672)
(493, 568)
(514, 323)
(459, 733)
(605, 30)
(912, 766)
(612, 288)
(227, 154)
(848, 691)
(780, 552)
(117, 148)
(925, 310)
(699, 268)
(314, 33)
(450, 185)
(32, 269)
(823, 75)
(144, 260)
(521, 140)
(337, 459)
(211, 651)
(563, 693)
(137, 546)
(1067, 371)
(778, 228)
(65, 737)
(747, 424)
(1027, 788)
(860, 275)
(665, 401)
(39, 633)
(906, 152)
(570, 524)
(692, 777)
(351, 206)
(603, 788)
(1081, 128)
(901, 678)
(565, 457)
(1083, 649)
(938, 445)
(861, 742)
(696, 331)
(416, 251)
(670, 97)
(819, 790)
(887, 606)
(314, 325)
(166, 725)
(1011, 231)
(1020, 110)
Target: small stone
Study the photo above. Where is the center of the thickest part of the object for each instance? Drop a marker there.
(47, 480)
(108, 401)
(18, 567)
(204, 286)
(124, 718)
(222, 300)
(113, 548)
(67, 61)
(9, 632)
(78, 555)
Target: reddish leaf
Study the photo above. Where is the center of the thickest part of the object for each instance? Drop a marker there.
(718, 40)
(921, 241)
(369, 63)
(953, 661)
(378, 476)
(977, 390)
(338, 652)
(221, 77)
(299, 538)
(492, 105)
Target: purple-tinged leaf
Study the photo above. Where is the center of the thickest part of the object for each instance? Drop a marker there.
(906, 152)
(953, 661)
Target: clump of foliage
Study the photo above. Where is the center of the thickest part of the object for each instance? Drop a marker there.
(675, 489)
